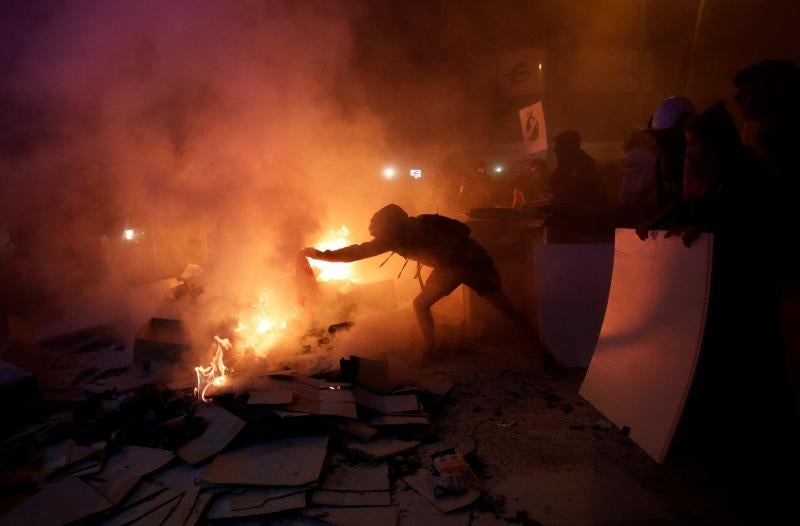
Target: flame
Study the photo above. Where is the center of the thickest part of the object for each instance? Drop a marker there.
(261, 328)
(216, 373)
(326, 270)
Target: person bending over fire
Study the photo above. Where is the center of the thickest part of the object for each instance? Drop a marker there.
(445, 245)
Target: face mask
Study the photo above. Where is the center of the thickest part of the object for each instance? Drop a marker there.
(699, 173)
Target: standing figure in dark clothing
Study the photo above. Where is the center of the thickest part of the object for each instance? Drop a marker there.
(728, 192)
(575, 182)
(667, 126)
(579, 195)
(443, 244)
(768, 96)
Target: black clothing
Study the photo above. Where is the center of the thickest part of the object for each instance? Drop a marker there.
(435, 241)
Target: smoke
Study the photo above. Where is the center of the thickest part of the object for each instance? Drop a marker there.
(222, 133)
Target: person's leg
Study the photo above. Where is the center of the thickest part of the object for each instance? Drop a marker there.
(440, 283)
(500, 302)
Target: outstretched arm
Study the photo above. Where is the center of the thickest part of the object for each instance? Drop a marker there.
(348, 254)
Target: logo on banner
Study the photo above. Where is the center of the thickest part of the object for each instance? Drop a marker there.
(531, 127)
(534, 130)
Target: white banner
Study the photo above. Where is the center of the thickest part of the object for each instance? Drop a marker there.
(534, 131)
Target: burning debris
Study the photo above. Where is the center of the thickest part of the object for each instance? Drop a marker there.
(214, 374)
(127, 446)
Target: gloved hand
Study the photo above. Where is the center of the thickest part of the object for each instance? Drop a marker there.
(690, 235)
(310, 252)
(642, 231)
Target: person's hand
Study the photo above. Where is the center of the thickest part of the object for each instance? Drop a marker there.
(642, 231)
(690, 235)
(310, 252)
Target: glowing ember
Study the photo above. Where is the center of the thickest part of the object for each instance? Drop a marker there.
(216, 373)
(262, 328)
(327, 271)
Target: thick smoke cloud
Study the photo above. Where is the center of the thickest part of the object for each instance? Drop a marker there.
(221, 129)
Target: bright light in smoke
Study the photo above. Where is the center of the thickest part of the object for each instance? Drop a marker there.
(415, 173)
(540, 66)
(261, 327)
(128, 234)
(389, 172)
(498, 169)
(328, 271)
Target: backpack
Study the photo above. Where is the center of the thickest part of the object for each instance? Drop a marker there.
(444, 228)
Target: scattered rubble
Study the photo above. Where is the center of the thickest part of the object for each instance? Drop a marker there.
(115, 443)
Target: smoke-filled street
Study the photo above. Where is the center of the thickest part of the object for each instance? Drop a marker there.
(353, 262)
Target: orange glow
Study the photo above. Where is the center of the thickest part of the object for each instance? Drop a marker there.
(328, 271)
(216, 373)
(262, 328)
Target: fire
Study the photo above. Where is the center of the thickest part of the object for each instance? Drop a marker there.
(327, 271)
(216, 373)
(258, 332)
(262, 328)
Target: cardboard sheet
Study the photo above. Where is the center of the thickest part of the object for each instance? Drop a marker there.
(181, 476)
(115, 490)
(324, 497)
(145, 508)
(365, 476)
(399, 420)
(222, 429)
(572, 284)
(648, 348)
(198, 510)
(287, 462)
(134, 460)
(183, 509)
(403, 403)
(223, 507)
(277, 397)
(68, 500)
(354, 428)
(373, 516)
(380, 448)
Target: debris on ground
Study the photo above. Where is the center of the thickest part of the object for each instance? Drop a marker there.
(115, 443)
